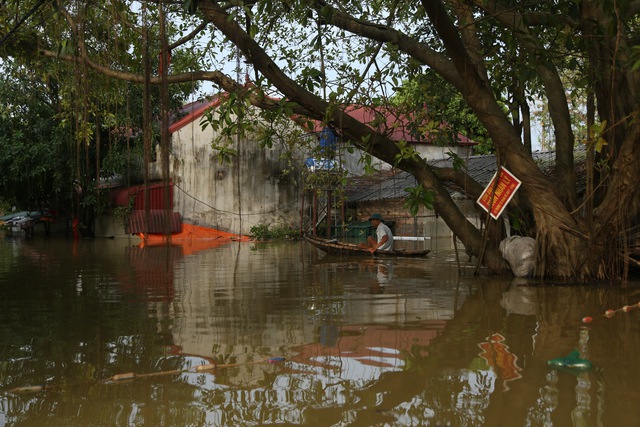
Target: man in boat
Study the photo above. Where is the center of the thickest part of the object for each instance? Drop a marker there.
(384, 236)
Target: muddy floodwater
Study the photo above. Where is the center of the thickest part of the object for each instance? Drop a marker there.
(114, 333)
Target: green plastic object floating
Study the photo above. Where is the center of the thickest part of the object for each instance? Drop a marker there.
(572, 362)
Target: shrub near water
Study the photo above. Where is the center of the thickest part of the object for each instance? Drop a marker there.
(276, 232)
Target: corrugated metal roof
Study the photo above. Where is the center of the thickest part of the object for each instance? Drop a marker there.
(480, 168)
(397, 126)
(381, 187)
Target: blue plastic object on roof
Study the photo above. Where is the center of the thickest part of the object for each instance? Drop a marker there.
(328, 139)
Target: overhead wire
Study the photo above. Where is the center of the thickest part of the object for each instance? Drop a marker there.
(229, 212)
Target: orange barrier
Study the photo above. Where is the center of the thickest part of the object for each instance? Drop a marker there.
(193, 238)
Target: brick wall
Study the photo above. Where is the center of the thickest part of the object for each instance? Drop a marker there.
(425, 224)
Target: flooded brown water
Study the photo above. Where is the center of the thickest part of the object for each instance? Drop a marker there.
(110, 333)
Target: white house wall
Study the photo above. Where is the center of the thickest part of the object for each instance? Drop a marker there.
(232, 196)
(351, 161)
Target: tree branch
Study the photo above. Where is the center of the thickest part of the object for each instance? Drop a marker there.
(386, 34)
(189, 36)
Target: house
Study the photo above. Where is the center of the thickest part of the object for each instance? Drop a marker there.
(265, 185)
(385, 193)
(398, 127)
(235, 194)
(410, 128)
(231, 194)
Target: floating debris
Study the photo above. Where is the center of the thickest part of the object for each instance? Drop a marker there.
(207, 367)
(572, 361)
(29, 389)
(124, 377)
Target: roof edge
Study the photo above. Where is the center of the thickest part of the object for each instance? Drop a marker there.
(193, 115)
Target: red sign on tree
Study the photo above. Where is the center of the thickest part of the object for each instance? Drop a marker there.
(495, 197)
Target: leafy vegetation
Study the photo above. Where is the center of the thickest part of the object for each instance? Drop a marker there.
(64, 126)
(33, 148)
(264, 232)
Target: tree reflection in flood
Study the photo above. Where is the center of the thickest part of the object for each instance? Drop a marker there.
(117, 333)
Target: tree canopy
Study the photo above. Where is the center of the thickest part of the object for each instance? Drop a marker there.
(499, 56)
(65, 125)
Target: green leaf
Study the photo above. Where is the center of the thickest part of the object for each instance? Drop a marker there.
(458, 162)
(418, 197)
(407, 152)
(224, 153)
(191, 6)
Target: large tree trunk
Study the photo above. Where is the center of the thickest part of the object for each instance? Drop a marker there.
(557, 234)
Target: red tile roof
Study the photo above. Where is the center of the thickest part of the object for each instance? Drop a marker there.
(193, 111)
(396, 126)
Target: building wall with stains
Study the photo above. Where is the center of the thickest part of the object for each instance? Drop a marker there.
(235, 194)
(351, 159)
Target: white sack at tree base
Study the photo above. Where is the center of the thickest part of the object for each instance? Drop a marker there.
(520, 253)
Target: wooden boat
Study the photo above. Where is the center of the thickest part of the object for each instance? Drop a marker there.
(342, 248)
